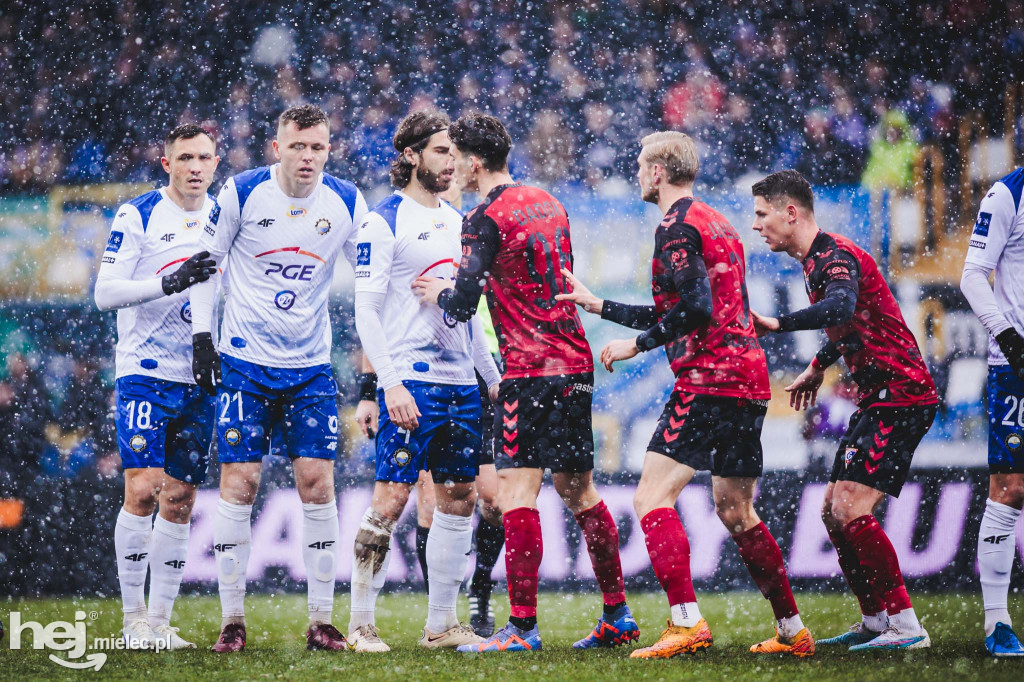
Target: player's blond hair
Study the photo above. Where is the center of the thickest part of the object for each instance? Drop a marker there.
(675, 152)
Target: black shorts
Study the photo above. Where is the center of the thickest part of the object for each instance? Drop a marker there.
(879, 445)
(545, 423)
(712, 433)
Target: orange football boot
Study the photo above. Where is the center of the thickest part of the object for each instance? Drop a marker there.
(801, 645)
(676, 640)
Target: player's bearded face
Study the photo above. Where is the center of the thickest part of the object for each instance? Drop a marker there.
(303, 153)
(436, 166)
(191, 165)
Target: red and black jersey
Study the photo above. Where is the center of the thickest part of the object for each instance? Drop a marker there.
(723, 356)
(517, 241)
(878, 347)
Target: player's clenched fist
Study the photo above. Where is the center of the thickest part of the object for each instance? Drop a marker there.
(199, 268)
(205, 362)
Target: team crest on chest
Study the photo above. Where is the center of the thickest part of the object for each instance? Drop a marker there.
(323, 226)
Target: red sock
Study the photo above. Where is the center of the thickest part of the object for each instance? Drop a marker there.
(602, 538)
(670, 554)
(879, 561)
(856, 577)
(523, 551)
(764, 561)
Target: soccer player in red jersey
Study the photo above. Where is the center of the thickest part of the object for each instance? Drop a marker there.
(517, 242)
(713, 419)
(897, 401)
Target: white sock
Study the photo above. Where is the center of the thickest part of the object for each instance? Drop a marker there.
(232, 541)
(448, 547)
(132, 539)
(905, 621)
(319, 554)
(167, 564)
(372, 541)
(875, 622)
(790, 627)
(996, 545)
(685, 615)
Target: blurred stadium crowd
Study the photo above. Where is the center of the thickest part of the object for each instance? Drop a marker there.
(842, 91)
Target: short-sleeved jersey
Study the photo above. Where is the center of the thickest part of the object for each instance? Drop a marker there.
(150, 237)
(998, 243)
(281, 253)
(722, 357)
(398, 241)
(524, 232)
(878, 347)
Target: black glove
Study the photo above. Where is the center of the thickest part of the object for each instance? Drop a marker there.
(1012, 345)
(198, 268)
(205, 362)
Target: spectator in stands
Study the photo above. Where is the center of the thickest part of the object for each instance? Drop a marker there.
(892, 154)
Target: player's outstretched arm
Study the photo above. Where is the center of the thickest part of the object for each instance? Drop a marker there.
(480, 241)
(693, 310)
(638, 317)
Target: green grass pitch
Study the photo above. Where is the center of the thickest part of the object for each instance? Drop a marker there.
(276, 645)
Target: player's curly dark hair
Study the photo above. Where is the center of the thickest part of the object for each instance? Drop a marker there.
(413, 133)
(186, 131)
(786, 183)
(483, 136)
(304, 116)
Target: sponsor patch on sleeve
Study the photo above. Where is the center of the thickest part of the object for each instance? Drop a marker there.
(214, 214)
(977, 244)
(981, 225)
(363, 253)
(114, 242)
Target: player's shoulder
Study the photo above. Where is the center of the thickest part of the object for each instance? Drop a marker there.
(385, 212)
(140, 209)
(451, 211)
(1007, 189)
(345, 190)
(246, 182)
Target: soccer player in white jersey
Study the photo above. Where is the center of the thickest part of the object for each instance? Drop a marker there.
(164, 422)
(430, 407)
(278, 230)
(997, 243)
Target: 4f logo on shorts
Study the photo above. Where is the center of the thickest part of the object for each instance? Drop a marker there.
(848, 457)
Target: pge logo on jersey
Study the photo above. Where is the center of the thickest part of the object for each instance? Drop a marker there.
(186, 312)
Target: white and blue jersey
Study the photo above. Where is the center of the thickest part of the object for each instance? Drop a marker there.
(277, 393)
(163, 419)
(398, 241)
(997, 243)
(278, 254)
(151, 236)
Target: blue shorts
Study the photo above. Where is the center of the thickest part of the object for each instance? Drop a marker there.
(164, 424)
(1005, 421)
(447, 442)
(274, 411)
